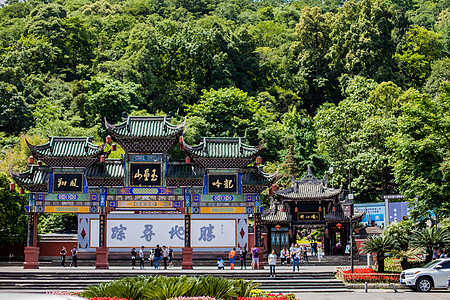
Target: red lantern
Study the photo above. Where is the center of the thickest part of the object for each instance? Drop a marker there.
(21, 191)
(108, 139)
(113, 147)
(339, 225)
(283, 209)
(180, 139)
(39, 162)
(274, 187)
(259, 160)
(320, 208)
(278, 227)
(290, 232)
(188, 160)
(31, 160)
(333, 209)
(270, 192)
(326, 232)
(12, 186)
(296, 209)
(102, 158)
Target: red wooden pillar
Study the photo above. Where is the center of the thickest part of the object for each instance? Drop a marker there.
(31, 251)
(102, 251)
(187, 249)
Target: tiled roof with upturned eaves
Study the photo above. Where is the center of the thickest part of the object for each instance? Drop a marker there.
(66, 147)
(111, 168)
(308, 188)
(35, 175)
(145, 127)
(255, 176)
(221, 147)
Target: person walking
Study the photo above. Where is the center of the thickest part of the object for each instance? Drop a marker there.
(63, 253)
(283, 254)
(74, 257)
(272, 260)
(232, 256)
(157, 257)
(255, 258)
(133, 258)
(295, 255)
(165, 256)
(170, 257)
(141, 258)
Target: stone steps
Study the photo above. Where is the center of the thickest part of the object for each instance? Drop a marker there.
(76, 280)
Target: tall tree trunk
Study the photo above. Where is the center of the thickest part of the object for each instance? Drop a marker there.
(380, 259)
(404, 263)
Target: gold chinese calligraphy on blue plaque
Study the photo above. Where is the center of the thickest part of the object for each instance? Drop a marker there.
(222, 183)
(145, 174)
(67, 182)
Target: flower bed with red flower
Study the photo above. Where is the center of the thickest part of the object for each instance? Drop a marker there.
(367, 275)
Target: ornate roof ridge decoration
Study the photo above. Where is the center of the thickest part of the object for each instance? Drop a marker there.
(35, 179)
(222, 152)
(146, 134)
(338, 215)
(254, 180)
(68, 151)
(309, 188)
(274, 213)
(128, 129)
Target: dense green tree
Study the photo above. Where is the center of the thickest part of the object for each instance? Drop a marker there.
(109, 98)
(421, 148)
(13, 218)
(420, 48)
(430, 239)
(230, 112)
(15, 115)
(362, 40)
(311, 45)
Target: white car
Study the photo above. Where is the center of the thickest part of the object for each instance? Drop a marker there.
(433, 275)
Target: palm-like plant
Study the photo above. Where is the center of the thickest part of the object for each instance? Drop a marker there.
(380, 244)
(243, 288)
(404, 255)
(434, 238)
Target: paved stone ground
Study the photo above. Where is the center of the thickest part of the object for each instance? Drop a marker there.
(379, 294)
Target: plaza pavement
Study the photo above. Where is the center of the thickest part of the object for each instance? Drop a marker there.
(356, 294)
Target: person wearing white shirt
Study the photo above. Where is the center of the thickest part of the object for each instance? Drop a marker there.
(272, 260)
(141, 257)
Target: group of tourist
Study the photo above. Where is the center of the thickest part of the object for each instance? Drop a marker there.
(155, 256)
(74, 252)
(242, 258)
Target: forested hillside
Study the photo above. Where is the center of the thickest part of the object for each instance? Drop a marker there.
(358, 85)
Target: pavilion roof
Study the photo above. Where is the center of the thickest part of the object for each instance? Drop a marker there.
(274, 213)
(154, 127)
(35, 179)
(66, 147)
(308, 188)
(222, 152)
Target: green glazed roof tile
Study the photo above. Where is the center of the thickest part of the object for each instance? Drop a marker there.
(67, 147)
(112, 168)
(223, 148)
(35, 175)
(145, 127)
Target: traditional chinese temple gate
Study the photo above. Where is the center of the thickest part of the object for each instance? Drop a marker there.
(307, 205)
(145, 198)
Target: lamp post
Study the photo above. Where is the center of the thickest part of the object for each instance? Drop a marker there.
(350, 201)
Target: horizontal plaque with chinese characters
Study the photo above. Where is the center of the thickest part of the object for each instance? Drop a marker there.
(222, 183)
(67, 182)
(145, 174)
(308, 216)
